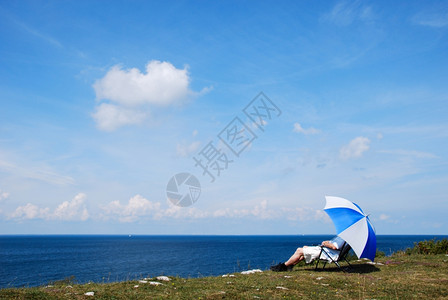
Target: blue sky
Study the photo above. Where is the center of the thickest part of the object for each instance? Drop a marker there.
(102, 103)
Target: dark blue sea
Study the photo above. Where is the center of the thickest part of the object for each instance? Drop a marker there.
(39, 260)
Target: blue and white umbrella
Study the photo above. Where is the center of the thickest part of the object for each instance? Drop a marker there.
(352, 225)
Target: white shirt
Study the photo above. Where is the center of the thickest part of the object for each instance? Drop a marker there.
(330, 254)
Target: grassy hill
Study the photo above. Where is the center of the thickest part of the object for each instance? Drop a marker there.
(401, 276)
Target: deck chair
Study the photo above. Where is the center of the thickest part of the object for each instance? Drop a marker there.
(343, 252)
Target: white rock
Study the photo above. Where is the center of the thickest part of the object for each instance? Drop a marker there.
(163, 278)
(90, 294)
(252, 271)
(136, 286)
(287, 276)
(143, 281)
(225, 275)
(154, 283)
(319, 278)
(281, 288)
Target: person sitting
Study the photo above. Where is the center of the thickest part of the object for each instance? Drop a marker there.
(310, 253)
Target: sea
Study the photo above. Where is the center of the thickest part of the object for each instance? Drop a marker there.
(42, 259)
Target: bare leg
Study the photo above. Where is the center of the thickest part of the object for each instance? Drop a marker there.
(295, 258)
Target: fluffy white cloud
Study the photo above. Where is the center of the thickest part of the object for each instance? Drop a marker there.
(355, 148)
(139, 208)
(300, 129)
(110, 117)
(261, 211)
(161, 84)
(66, 211)
(30, 211)
(72, 210)
(136, 207)
(130, 92)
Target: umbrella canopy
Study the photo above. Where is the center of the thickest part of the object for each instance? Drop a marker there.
(352, 225)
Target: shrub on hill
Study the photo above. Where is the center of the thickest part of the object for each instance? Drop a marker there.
(429, 247)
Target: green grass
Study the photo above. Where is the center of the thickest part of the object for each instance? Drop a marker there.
(401, 276)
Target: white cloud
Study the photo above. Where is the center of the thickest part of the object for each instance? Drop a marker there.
(384, 217)
(72, 210)
(66, 211)
(304, 214)
(136, 207)
(387, 218)
(184, 150)
(110, 117)
(30, 211)
(355, 148)
(300, 129)
(162, 84)
(3, 195)
(139, 207)
(37, 171)
(416, 154)
(345, 13)
(131, 92)
(36, 33)
(178, 212)
(436, 19)
(259, 211)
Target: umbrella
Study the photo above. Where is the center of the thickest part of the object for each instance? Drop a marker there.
(352, 225)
